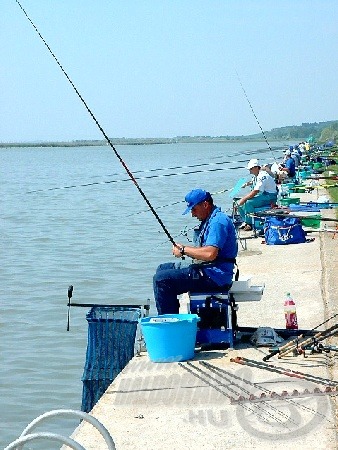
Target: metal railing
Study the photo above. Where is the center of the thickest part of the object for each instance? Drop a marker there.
(27, 435)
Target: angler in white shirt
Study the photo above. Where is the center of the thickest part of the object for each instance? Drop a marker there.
(263, 193)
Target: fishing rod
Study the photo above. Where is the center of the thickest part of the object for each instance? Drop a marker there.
(250, 152)
(334, 177)
(229, 377)
(189, 166)
(283, 371)
(219, 371)
(295, 341)
(99, 127)
(183, 233)
(95, 183)
(298, 347)
(204, 376)
(324, 204)
(255, 116)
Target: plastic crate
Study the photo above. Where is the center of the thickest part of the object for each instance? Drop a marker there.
(311, 221)
(290, 200)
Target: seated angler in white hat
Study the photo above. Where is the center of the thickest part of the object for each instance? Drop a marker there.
(263, 193)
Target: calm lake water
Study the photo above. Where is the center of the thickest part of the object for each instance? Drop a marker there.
(100, 238)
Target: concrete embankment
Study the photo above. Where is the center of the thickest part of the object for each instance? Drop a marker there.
(188, 406)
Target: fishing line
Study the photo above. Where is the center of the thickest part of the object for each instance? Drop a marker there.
(144, 178)
(255, 116)
(100, 127)
(149, 171)
(187, 229)
(189, 166)
(199, 164)
(129, 173)
(250, 152)
(160, 169)
(183, 233)
(95, 183)
(141, 178)
(174, 203)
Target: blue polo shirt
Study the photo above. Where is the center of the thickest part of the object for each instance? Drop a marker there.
(218, 231)
(290, 164)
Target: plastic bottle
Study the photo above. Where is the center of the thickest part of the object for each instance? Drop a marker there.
(290, 313)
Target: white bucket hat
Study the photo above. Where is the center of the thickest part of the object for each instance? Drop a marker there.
(252, 163)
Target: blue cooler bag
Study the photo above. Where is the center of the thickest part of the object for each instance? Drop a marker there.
(283, 231)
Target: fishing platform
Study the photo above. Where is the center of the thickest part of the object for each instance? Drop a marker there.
(179, 405)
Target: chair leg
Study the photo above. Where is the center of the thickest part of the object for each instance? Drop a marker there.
(253, 226)
(236, 230)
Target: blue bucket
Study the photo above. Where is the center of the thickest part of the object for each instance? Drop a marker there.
(170, 337)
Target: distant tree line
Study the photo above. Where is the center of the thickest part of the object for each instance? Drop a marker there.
(329, 133)
(320, 132)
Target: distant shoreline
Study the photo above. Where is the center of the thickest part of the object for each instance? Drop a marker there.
(137, 141)
(296, 133)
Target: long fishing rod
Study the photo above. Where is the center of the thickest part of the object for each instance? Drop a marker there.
(95, 183)
(221, 372)
(295, 341)
(314, 178)
(161, 169)
(188, 166)
(318, 204)
(249, 152)
(214, 383)
(255, 116)
(100, 127)
(282, 371)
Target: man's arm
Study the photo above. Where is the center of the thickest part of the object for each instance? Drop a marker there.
(247, 197)
(207, 253)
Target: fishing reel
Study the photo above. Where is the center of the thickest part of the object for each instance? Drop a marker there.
(315, 348)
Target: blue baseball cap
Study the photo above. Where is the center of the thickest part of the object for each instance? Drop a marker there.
(195, 197)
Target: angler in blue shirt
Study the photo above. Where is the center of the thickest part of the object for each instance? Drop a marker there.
(213, 256)
(289, 165)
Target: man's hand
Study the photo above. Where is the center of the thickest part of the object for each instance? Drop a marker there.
(248, 183)
(178, 250)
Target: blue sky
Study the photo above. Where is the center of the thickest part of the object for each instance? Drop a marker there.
(161, 68)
